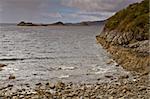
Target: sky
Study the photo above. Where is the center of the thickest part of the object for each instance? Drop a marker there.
(49, 11)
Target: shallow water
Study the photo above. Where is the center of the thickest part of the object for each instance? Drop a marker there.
(67, 53)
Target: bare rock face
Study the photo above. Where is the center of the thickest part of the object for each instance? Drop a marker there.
(131, 54)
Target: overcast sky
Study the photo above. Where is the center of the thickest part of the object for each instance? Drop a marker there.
(48, 11)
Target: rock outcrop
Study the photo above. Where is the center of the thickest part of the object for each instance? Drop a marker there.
(126, 37)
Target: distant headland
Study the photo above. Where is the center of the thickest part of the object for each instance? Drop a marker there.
(59, 23)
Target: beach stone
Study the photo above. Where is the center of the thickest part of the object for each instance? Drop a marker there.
(52, 86)
(111, 97)
(38, 84)
(124, 77)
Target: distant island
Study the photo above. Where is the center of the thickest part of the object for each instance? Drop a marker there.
(59, 23)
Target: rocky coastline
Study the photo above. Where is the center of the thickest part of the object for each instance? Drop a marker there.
(128, 41)
(130, 49)
(133, 57)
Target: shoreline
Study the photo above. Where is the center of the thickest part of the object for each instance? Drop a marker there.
(136, 88)
(138, 61)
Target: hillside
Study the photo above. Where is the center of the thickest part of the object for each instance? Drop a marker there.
(126, 37)
(132, 19)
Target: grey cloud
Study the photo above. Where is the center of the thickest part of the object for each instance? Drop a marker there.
(98, 5)
(15, 10)
(98, 8)
(83, 17)
(51, 10)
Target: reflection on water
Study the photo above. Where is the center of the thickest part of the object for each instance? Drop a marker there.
(53, 53)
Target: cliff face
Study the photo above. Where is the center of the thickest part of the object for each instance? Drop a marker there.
(126, 37)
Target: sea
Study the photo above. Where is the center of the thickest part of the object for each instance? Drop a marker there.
(54, 53)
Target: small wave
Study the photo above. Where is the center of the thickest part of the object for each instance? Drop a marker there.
(67, 68)
(11, 59)
(63, 76)
(21, 59)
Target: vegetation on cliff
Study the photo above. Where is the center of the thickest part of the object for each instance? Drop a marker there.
(134, 18)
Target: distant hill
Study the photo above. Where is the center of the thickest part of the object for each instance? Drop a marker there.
(22, 23)
(57, 23)
(85, 23)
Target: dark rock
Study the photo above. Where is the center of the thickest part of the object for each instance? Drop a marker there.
(38, 84)
(108, 76)
(10, 85)
(124, 77)
(2, 65)
(12, 77)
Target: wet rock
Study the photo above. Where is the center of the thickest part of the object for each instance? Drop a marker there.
(38, 84)
(108, 76)
(34, 74)
(2, 65)
(124, 77)
(117, 65)
(12, 77)
(47, 84)
(10, 85)
(99, 79)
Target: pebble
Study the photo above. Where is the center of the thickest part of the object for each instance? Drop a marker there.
(62, 90)
(52, 86)
(111, 97)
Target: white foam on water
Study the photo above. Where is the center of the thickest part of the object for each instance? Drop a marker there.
(67, 68)
(63, 76)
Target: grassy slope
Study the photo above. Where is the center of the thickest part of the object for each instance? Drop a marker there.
(134, 18)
